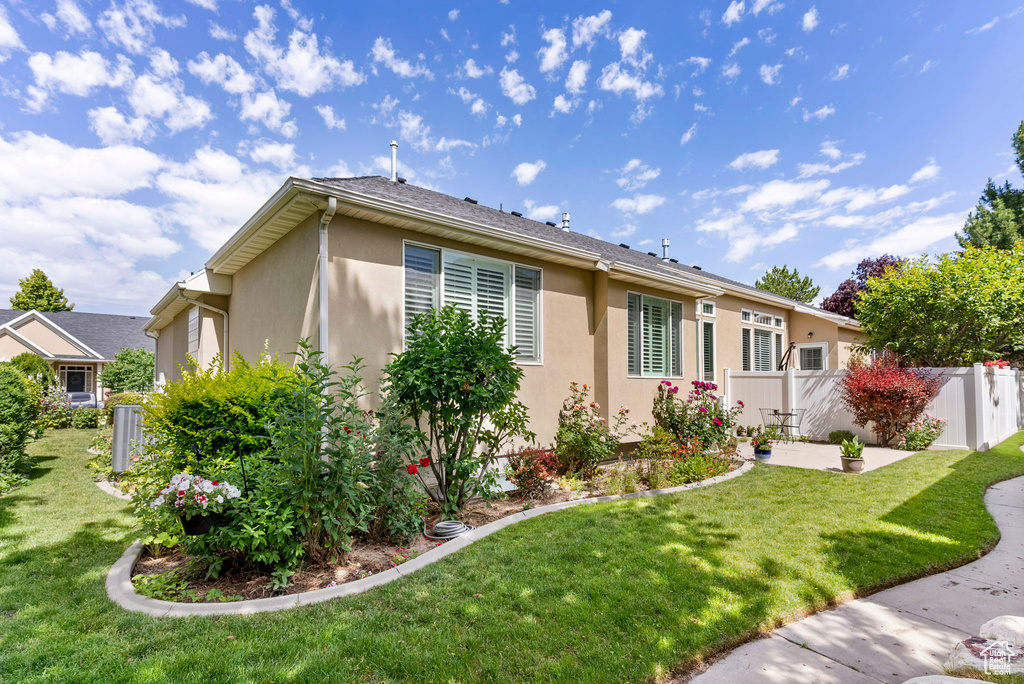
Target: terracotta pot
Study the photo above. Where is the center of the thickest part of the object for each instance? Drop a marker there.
(852, 465)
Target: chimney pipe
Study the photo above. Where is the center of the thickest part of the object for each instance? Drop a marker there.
(664, 249)
(394, 161)
(565, 221)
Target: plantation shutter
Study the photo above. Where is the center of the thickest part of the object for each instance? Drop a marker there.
(762, 350)
(811, 359)
(676, 334)
(708, 349)
(747, 362)
(527, 314)
(491, 291)
(422, 269)
(655, 337)
(778, 352)
(458, 284)
(633, 334)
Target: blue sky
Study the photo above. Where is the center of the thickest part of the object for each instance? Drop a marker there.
(136, 136)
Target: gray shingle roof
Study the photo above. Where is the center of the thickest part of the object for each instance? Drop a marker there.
(106, 334)
(405, 193)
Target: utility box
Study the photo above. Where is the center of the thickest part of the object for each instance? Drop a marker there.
(128, 436)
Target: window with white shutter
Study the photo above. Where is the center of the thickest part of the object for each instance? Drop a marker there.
(708, 351)
(633, 334)
(654, 336)
(778, 352)
(422, 276)
(813, 356)
(747, 351)
(194, 320)
(676, 338)
(762, 350)
(527, 314)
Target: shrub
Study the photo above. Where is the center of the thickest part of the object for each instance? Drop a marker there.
(121, 399)
(883, 392)
(921, 433)
(622, 480)
(457, 382)
(657, 445)
(839, 436)
(35, 367)
(85, 418)
(700, 416)
(585, 438)
(15, 423)
(35, 408)
(696, 468)
(530, 469)
(55, 409)
(131, 370)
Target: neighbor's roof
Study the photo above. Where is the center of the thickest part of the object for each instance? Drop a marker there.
(106, 334)
(440, 203)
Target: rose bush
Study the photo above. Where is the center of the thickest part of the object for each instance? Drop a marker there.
(700, 416)
(584, 437)
(920, 433)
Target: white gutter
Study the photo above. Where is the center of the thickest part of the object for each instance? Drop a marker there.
(323, 294)
(226, 352)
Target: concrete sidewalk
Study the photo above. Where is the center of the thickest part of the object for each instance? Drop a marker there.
(896, 634)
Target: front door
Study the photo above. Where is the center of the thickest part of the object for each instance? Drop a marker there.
(76, 381)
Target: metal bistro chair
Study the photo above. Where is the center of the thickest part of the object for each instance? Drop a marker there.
(787, 423)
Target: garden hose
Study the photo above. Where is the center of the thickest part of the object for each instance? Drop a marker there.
(447, 529)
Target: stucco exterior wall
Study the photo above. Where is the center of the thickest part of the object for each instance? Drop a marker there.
(729, 329)
(172, 348)
(10, 347)
(47, 339)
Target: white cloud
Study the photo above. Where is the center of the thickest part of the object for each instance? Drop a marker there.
(731, 71)
(112, 127)
(564, 105)
(743, 239)
(984, 27)
(780, 193)
(631, 48)
(130, 24)
(625, 230)
(702, 64)
(512, 56)
(384, 54)
(618, 81)
(205, 4)
(269, 110)
(539, 212)
(73, 75)
(453, 15)
(738, 45)
(554, 54)
(331, 120)
(809, 170)
(222, 70)
(810, 19)
(160, 94)
(856, 199)
(635, 175)
(413, 130)
(910, 240)
(927, 172)
(302, 68)
(700, 107)
(526, 172)
(586, 29)
(840, 72)
(830, 149)
(755, 160)
(820, 114)
(515, 87)
(69, 15)
(765, 5)
(473, 71)
(638, 204)
(734, 12)
(218, 32)
(281, 155)
(444, 145)
(928, 66)
(770, 74)
(577, 77)
(477, 105)
(510, 37)
(690, 133)
(767, 36)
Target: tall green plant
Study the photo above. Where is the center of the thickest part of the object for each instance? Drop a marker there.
(36, 368)
(457, 382)
(15, 423)
(130, 371)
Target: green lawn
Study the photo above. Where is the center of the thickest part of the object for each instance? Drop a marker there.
(609, 592)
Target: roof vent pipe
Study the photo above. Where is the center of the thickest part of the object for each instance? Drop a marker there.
(565, 221)
(394, 161)
(664, 249)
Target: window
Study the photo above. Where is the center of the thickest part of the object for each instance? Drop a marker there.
(762, 350)
(707, 308)
(193, 331)
(434, 278)
(707, 340)
(813, 356)
(75, 378)
(745, 316)
(654, 345)
(778, 352)
(778, 322)
(762, 319)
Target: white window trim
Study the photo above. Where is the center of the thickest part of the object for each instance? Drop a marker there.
(682, 340)
(703, 313)
(714, 347)
(510, 322)
(807, 345)
(199, 332)
(90, 376)
(750, 352)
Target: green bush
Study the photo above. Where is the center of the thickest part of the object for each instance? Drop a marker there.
(839, 436)
(85, 418)
(131, 370)
(55, 409)
(35, 368)
(15, 424)
(657, 445)
(120, 399)
(584, 438)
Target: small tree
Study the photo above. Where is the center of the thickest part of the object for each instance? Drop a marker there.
(843, 301)
(36, 368)
(885, 393)
(998, 220)
(787, 283)
(130, 371)
(457, 381)
(38, 292)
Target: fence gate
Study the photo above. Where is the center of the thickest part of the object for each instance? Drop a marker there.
(128, 436)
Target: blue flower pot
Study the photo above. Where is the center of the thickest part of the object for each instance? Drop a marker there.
(763, 454)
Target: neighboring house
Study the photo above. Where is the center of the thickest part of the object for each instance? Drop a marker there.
(78, 345)
(579, 309)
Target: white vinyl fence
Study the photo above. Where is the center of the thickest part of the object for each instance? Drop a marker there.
(981, 406)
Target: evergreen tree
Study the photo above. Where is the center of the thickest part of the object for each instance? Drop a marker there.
(998, 220)
(786, 283)
(38, 292)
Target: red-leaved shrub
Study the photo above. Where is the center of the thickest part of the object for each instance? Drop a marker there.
(530, 468)
(885, 392)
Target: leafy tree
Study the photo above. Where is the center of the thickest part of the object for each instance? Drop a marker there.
(844, 299)
(38, 292)
(35, 367)
(130, 371)
(965, 308)
(786, 283)
(998, 220)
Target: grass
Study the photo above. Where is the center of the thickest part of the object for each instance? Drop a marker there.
(612, 592)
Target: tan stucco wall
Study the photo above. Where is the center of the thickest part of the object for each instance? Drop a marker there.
(47, 339)
(840, 340)
(172, 347)
(848, 340)
(10, 347)
(730, 324)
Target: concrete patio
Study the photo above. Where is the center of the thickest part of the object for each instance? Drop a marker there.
(824, 456)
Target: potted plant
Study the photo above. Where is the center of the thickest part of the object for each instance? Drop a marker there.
(762, 443)
(196, 501)
(852, 453)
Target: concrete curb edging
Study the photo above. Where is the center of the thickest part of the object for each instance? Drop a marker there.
(121, 591)
(112, 490)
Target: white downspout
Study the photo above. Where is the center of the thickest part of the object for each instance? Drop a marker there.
(155, 336)
(323, 295)
(226, 351)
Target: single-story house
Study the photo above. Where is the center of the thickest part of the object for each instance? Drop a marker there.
(77, 344)
(380, 250)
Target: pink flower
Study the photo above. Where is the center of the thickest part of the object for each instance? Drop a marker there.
(716, 421)
(739, 403)
(702, 409)
(673, 390)
(666, 382)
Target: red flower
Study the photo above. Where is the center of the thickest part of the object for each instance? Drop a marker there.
(181, 492)
(424, 462)
(214, 483)
(411, 469)
(348, 430)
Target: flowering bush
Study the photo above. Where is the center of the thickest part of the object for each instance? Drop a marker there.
(920, 433)
(997, 364)
(699, 416)
(189, 495)
(529, 469)
(585, 438)
(884, 392)
(55, 411)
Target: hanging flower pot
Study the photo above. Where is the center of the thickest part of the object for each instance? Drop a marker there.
(196, 501)
(197, 524)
